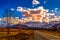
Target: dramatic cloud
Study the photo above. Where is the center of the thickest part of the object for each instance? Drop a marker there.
(21, 9)
(35, 2)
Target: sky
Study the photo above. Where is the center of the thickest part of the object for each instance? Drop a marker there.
(52, 5)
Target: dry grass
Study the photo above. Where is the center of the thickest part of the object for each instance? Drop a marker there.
(55, 33)
(14, 34)
(3, 32)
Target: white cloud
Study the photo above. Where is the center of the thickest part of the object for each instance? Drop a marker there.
(41, 7)
(20, 9)
(35, 2)
(0, 19)
(32, 9)
(44, 2)
(55, 8)
(52, 14)
(55, 11)
(12, 9)
(52, 10)
(16, 17)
